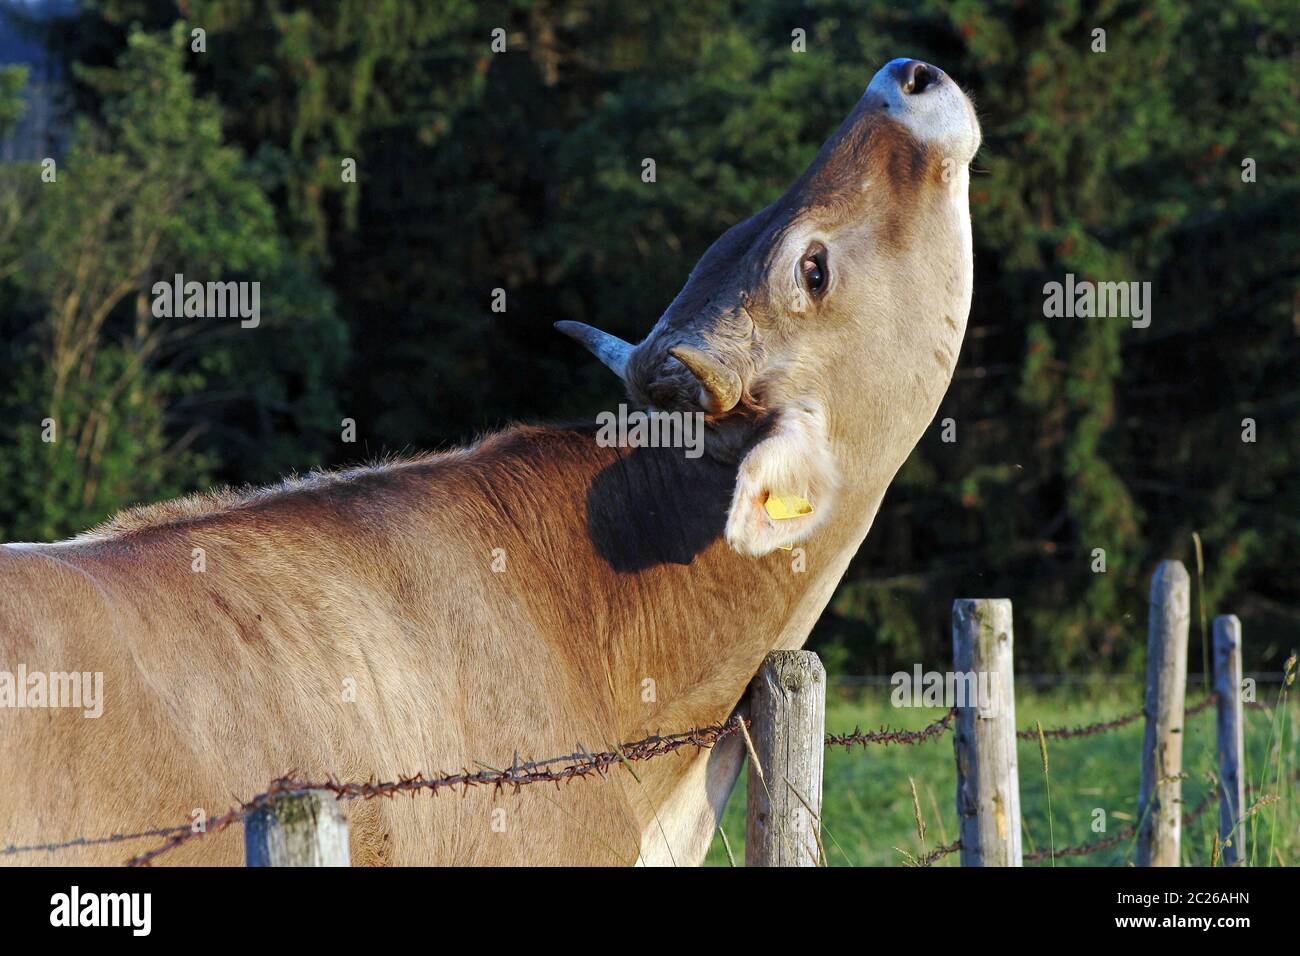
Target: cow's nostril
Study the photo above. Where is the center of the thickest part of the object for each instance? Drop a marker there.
(917, 77)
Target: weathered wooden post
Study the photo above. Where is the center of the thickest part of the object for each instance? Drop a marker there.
(297, 829)
(784, 788)
(988, 777)
(1227, 690)
(1160, 800)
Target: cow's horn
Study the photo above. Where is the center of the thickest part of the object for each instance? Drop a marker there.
(720, 382)
(610, 349)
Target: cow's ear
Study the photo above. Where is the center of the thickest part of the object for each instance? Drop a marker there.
(790, 466)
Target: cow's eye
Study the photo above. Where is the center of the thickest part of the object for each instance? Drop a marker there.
(813, 268)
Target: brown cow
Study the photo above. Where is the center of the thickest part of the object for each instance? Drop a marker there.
(522, 595)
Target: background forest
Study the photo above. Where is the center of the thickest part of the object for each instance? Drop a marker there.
(521, 170)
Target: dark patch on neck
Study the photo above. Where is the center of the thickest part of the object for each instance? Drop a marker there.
(654, 506)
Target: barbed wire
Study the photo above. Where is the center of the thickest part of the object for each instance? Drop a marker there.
(554, 770)
(579, 764)
(939, 853)
(1123, 835)
(1086, 730)
(1105, 726)
(886, 736)
(14, 849)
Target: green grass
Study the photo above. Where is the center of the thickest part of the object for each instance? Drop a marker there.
(868, 815)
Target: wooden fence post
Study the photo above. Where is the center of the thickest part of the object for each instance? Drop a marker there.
(1160, 800)
(1227, 688)
(297, 829)
(988, 778)
(784, 788)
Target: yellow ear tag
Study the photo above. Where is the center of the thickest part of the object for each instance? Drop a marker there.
(790, 506)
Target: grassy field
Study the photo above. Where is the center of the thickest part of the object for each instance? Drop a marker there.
(868, 815)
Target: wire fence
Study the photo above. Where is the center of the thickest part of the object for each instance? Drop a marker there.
(1123, 835)
(886, 736)
(556, 770)
(582, 764)
(1120, 837)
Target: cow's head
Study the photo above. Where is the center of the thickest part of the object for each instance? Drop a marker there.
(820, 335)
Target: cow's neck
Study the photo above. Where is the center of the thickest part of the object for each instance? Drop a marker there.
(642, 591)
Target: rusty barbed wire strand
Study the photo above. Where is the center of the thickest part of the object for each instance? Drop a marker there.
(1192, 815)
(555, 770)
(1104, 726)
(939, 853)
(1083, 849)
(886, 736)
(1122, 836)
(14, 849)
(1086, 730)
